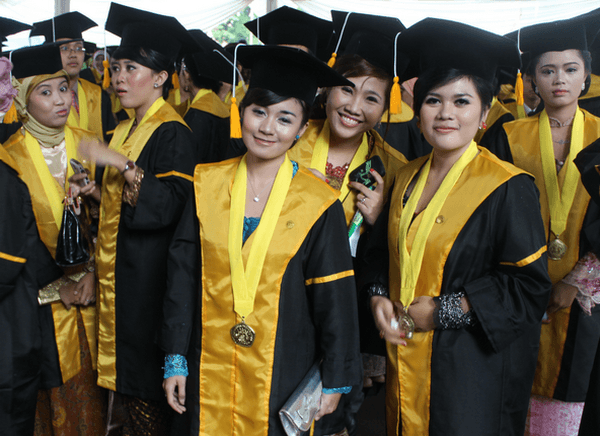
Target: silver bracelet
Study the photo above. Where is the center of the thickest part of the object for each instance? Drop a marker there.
(378, 290)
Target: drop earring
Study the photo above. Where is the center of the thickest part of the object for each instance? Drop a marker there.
(583, 86)
(156, 85)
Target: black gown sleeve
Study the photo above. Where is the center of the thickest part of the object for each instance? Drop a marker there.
(496, 141)
(512, 297)
(333, 299)
(109, 122)
(168, 162)
(183, 283)
(211, 133)
(588, 163)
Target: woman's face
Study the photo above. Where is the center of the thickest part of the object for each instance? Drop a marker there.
(134, 84)
(354, 111)
(268, 132)
(559, 76)
(451, 115)
(50, 102)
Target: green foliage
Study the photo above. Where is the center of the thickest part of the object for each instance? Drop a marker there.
(233, 29)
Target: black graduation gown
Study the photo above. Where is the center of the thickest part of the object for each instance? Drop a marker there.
(315, 319)
(210, 132)
(7, 130)
(405, 137)
(143, 239)
(25, 267)
(481, 376)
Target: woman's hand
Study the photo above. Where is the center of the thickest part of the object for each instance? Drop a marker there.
(69, 294)
(384, 312)
(98, 152)
(370, 203)
(329, 403)
(562, 296)
(174, 388)
(79, 188)
(86, 289)
(421, 311)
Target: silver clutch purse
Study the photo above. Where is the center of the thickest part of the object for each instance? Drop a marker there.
(298, 412)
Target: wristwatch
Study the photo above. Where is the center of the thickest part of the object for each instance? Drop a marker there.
(130, 165)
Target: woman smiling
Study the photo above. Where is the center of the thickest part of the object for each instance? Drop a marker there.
(277, 292)
(465, 247)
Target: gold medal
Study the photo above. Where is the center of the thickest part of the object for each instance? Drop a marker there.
(556, 249)
(407, 325)
(242, 334)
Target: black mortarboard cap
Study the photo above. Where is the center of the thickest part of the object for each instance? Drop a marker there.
(437, 43)
(288, 72)
(554, 36)
(138, 28)
(10, 27)
(595, 51)
(70, 25)
(212, 61)
(371, 37)
(36, 60)
(90, 48)
(286, 25)
(591, 21)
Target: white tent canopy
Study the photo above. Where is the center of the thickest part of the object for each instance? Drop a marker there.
(494, 15)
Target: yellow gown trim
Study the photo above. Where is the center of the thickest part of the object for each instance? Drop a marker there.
(235, 382)
(176, 174)
(528, 260)
(110, 216)
(409, 368)
(12, 258)
(330, 278)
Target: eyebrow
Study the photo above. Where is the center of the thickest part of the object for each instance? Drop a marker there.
(462, 94)
(288, 113)
(566, 63)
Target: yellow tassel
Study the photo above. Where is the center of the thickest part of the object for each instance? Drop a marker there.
(106, 78)
(175, 80)
(331, 61)
(11, 115)
(396, 97)
(234, 120)
(519, 90)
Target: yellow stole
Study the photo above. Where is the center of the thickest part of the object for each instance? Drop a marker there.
(496, 111)
(47, 200)
(392, 159)
(410, 263)
(523, 137)
(235, 382)
(90, 108)
(11, 115)
(207, 101)
(594, 90)
(8, 160)
(110, 216)
(409, 368)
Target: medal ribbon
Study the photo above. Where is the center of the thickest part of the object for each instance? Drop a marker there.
(245, 280)
(560, 202)
(410, 263)
(321, 151)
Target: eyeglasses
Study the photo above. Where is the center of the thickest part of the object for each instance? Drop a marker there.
(66, 49)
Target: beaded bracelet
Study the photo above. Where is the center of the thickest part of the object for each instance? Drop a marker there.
(449, 313)
(378, 290)
(131, 192)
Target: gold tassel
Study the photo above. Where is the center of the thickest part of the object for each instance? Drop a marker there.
(106, 78)
(519, 90)
(396, 97)
(11, 115)
(331, 61)
(175, 80)
(234, 120)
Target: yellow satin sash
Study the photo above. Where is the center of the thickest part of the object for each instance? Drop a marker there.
(321, 152)
(207, 101)
(8, 160)
(410, 263)
(245, 282)
(560, 200)
(521, 112)
(81, 119)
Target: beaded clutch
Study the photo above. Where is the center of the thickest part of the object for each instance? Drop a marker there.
(299, 411)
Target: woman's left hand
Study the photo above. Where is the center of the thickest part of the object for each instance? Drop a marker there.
(421, 311)
(86, 288)
(79, 188)
(329, 403)
(370, 203)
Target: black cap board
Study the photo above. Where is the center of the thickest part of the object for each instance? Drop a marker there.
(212, 61)
(65, 26)
(371, 37)
(138, 28)
(595, 51)
(36, 60)
(288, 26)
(288, 72)
(10, 27)
(554, 36)
(437, 43)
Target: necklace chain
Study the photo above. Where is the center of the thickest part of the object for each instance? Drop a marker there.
(256, 198)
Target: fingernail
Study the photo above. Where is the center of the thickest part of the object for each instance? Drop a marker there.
(372, 170)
